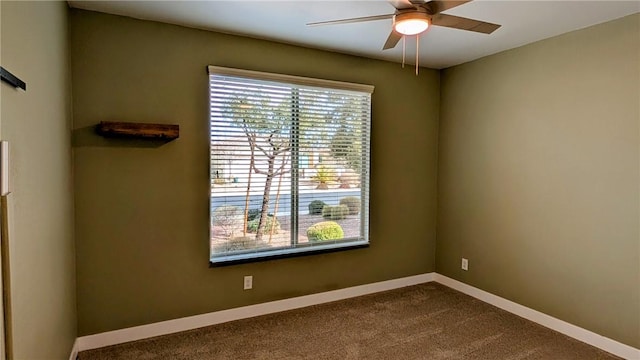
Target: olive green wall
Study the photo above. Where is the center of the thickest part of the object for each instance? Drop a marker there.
(142, 211)
(37, 124)
(538, 181)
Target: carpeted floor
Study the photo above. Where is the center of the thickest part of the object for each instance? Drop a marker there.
(427, 321)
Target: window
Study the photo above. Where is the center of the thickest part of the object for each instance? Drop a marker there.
(289, 165)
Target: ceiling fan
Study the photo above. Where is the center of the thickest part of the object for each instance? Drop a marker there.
(413, 17)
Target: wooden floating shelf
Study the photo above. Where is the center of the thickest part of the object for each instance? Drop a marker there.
(138, 130)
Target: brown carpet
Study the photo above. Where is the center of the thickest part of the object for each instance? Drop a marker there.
(427, 321)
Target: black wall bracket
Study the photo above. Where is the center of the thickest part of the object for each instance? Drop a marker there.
(12, 79)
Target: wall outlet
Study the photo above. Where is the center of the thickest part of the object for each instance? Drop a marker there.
(248, 282)
(465, 264)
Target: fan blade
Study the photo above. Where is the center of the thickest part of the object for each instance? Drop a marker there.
(457, 22)
(438, 6)
(352, 20)
(392, 40)
(402, 4)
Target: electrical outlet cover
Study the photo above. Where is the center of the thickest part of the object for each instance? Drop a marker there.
(465, 264)
(248, 283)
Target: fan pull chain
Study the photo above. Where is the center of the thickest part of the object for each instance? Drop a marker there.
(417, 52)
(404, 42)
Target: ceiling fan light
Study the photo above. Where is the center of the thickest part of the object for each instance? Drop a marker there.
(411, 23)
(412, 27)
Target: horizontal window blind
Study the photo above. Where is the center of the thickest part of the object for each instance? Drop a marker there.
(289, 164)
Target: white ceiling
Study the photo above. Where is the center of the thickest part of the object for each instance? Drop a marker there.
(523, 22)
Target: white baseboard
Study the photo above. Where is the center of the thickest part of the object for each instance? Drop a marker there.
(193, 322)
(197, 321)
(578, 333)
(74, 351)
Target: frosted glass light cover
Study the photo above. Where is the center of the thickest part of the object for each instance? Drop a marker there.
(411, 26)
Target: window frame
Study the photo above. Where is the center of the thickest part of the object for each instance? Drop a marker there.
(296, 248)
